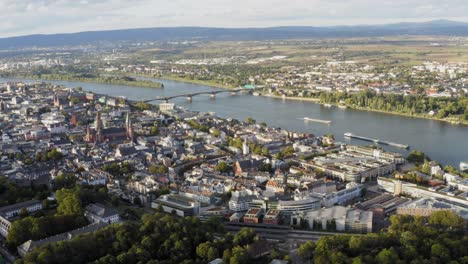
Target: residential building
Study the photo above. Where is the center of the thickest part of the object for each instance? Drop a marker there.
(272, 217)
(98, 213)
(10, 212)
(253, 216)
(29, 245)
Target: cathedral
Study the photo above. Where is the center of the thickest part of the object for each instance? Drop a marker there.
(99, 134)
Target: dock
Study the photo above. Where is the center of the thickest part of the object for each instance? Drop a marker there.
(377, 141)
(316, 120)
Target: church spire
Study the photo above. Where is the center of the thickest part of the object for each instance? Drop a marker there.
(98, 122)
(129, 126)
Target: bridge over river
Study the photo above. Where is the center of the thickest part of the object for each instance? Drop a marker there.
(212, 94)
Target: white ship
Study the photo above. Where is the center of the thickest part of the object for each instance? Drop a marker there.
(316, 120)
(464, 165)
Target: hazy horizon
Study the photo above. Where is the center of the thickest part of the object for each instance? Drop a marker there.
(67, 16)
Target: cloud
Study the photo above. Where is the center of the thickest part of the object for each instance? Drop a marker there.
(52, 16)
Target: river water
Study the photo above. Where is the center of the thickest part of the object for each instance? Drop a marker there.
(443, 142)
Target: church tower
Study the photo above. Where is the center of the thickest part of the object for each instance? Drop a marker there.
(245, 147)
(129, 126)
(56, 100)
(88, 135)
(97, 121)
(98, 127)
(2, 106)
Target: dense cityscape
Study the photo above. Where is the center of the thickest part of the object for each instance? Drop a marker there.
(104, 160)
(231, 133)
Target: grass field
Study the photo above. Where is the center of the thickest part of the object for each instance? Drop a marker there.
(390, 50)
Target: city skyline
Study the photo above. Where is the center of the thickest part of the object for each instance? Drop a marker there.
(65, 16)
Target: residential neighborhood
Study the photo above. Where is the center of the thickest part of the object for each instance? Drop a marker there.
(187, 163)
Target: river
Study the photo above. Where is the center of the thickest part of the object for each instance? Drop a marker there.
(441, 141)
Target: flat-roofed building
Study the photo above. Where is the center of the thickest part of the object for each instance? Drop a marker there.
(440, 192)
(166, 107)
(358, 221)
(182, 206)
(253, 216)
(337, 218)
(355, 164)
(427, 206)
(324, 217)
(241, 203)
(236, 217)
(394, 157)
(272, 217)
(303, 205)
(344, 196)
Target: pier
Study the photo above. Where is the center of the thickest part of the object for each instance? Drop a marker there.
(377, 141)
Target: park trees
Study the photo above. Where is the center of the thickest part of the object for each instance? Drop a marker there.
(438, 238)
(69, 202)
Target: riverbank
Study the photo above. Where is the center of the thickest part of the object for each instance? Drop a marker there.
(179, 79)
(452, 122)
(317, 101)
(105, 80)
(144, 83)
(313, 100)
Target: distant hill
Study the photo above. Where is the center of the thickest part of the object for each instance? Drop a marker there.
(434, 28)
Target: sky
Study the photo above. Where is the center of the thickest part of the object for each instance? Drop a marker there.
(23, 17)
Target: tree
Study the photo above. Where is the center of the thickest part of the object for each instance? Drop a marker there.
(216, 133)
(142, 106)
(20, 231)
(69, 202)
(306, 250)
(67, 180)
(154, 130)
(416, 156)
(212, 254)
(244, 237)
(207, 251)
(239, 255)
(115, 200)
(446, 219)
(223, 167)
(265, 152)
(42, 227)
(227, 256)
(250, 120)
(54, 154)
(154, 169)
(440, 251)
(387, 256)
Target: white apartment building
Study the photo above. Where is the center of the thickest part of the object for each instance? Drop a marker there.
(8, 213)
